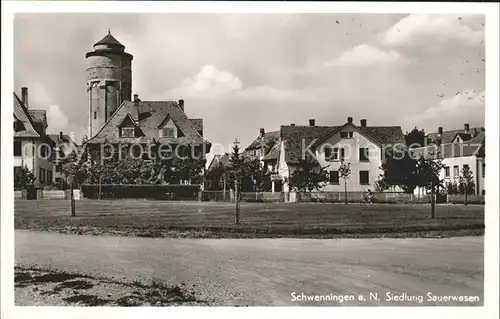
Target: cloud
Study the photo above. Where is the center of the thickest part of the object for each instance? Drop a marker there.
(364, 55)
(434, 29)
(58, 121)
(212, 84)
(465, 107)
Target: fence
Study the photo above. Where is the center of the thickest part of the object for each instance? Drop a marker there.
(262, 197)
(164, 192)
(47, 194)
(471, 199)
(216, 196)
(357, 197)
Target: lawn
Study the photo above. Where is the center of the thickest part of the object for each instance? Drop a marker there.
(216, 220)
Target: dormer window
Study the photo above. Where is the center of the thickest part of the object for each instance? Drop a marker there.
(346, 134)
(128, 132)
(167, 132)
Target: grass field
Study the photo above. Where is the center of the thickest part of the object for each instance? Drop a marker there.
(213, 220)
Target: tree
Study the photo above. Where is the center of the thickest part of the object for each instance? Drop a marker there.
(415, 138)
(75, 172)
(24, 178)
(399, 169)
(307, 176)
(345, 173)
(427, 175)
(236, 170)
(466, 183)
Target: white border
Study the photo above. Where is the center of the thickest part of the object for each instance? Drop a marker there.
(490, 310)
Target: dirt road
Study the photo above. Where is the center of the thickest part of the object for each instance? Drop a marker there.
(260, 272)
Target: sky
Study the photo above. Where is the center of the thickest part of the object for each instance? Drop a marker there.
(243, 72)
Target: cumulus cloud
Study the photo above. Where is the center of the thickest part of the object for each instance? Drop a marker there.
(57, 120)
(211, 83)
(364, 55)
(465, 107)
(434, 29)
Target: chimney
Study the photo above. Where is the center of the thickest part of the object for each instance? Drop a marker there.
(349, 120)
(439, 136)
(363, 123)
(61, 135)
(312, 122)
(293, 124)
(440, 130)
(24, 96)
(466, 128)
(136, 97)
(181, 105)
(262, 132)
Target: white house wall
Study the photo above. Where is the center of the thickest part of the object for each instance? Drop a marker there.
(351, 146)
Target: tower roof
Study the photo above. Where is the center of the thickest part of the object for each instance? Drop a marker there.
(109, 40)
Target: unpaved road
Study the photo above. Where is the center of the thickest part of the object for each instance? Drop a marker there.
(260, 272)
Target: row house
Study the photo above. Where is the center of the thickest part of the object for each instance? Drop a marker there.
(458, 149)
(32, 145)
(360, 145)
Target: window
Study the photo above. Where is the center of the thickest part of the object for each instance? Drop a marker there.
(334, 177)
(128, 132)
(364, 177)
(95, 115)
(44, 149)
(42, 175)
(342, 154)
(484, 171)
(167, 132)
(346, 134)
(49, 176)
(466, 167)
(328, 153)
(364, 154)
(456, 173)
(58, 167)
(17, 148)
(446, 171)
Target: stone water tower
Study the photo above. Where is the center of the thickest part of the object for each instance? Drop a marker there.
(109, 81)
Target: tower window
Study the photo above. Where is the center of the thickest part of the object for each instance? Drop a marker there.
(95, 115)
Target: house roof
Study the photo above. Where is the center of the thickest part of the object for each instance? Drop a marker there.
(109, 39)
(219, 160)
(197, 124)
(61, 139)
(268, 140)
(39, 117)
(147, 116)
(473, 147)
(21, 113)
(294, 136)
(449, 136)
(273, 153)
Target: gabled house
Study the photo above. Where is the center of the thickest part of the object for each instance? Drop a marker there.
(64, 145)
(32, 146)
(263, 148)
(457, 149)
(143, 129)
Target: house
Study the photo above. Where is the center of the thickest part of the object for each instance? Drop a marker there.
(216, 178)
(32, 146)
(64, 145)
(360, 145)
(458, 149)
(143, 129)
(134, 128)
